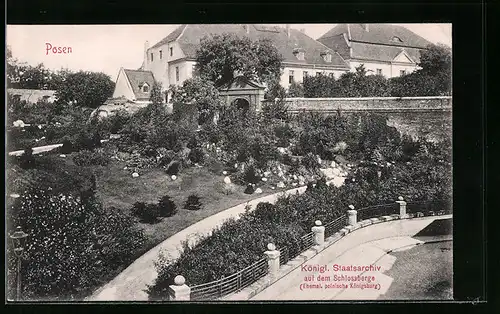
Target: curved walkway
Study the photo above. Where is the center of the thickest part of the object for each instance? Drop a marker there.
(365, 246)
(131, 284)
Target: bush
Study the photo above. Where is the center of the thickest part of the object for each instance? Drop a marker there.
(250, 175)
(91, 158)
(174, 168)
(310, 162)
(67, 147)
(166, 206)
(193, 202)
(196, 155)
(74, 246)
(27, 160)
(147, 213)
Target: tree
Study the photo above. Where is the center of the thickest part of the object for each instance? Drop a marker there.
(220, 56)
(435, 60)
(156, 96)
(199, 93)
(85, 89)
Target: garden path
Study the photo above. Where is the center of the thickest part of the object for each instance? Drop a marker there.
(364, 246)
(131, 284)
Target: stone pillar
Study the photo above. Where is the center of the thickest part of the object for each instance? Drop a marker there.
(273, 259)
(352, 216)
(179, 291)
(402, 208)
(319, 233)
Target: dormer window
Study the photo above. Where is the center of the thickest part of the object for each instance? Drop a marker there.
(145, 88)
(299, 54)
(327, 56)
(396, 39)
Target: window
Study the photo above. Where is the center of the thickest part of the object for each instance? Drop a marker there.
(171, 51)
(318, 73)
(145, 88)
(300, 55)
(327, 57)
(177, 74)
(161, 54)
(17, 97)
(379, 71)
(151, 56)
(397, 39)
(290, 77)
(402, 72)
(304, 75)
(331, 75)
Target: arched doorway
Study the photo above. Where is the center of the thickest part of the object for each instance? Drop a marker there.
(241, 104)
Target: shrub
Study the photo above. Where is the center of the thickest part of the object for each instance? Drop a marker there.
(174, 168)
(166, 206)
(27, 160)
(67, 147)
(73, 246)
(118, 120)
(193, 202)
(91, 157)
(249, 189)
(250, 175)
(147, 213)
(310, 162)
(196, 155)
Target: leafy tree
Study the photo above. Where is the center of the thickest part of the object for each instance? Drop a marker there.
(199, 93)
(220, 56)
(85, 89)
(157, 95)
(436, 59)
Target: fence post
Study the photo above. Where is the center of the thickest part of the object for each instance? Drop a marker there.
(273, 259)
(402, 208)
(319, 233)
(179, 291)
(352, 216)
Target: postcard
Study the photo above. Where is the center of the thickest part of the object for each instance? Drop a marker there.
(229, 162)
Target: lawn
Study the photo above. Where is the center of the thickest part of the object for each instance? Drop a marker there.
(424, 272)
(116, 187)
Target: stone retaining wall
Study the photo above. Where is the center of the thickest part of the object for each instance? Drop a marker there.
(375, 104)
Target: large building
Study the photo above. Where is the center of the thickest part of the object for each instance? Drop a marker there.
(383, 49)
(171, 61)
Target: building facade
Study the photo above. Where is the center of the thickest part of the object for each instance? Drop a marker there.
(383, 49)
(172, 60)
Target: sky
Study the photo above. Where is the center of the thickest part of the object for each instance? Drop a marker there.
(106, 48)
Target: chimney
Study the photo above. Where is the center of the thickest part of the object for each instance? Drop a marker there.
(146, 47)
(247, 28)
(288, 30)
(365, 27)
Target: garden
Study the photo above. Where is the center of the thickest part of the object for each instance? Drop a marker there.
(91, 208)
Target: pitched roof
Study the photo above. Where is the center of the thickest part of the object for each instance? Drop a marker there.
(172, 36)
(379, 34)
(189, 36)
(137, 78)
(381, 53)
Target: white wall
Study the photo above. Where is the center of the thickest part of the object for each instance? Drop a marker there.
(298, 74)
(122, 87)
(160, 67)
(388, 70)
